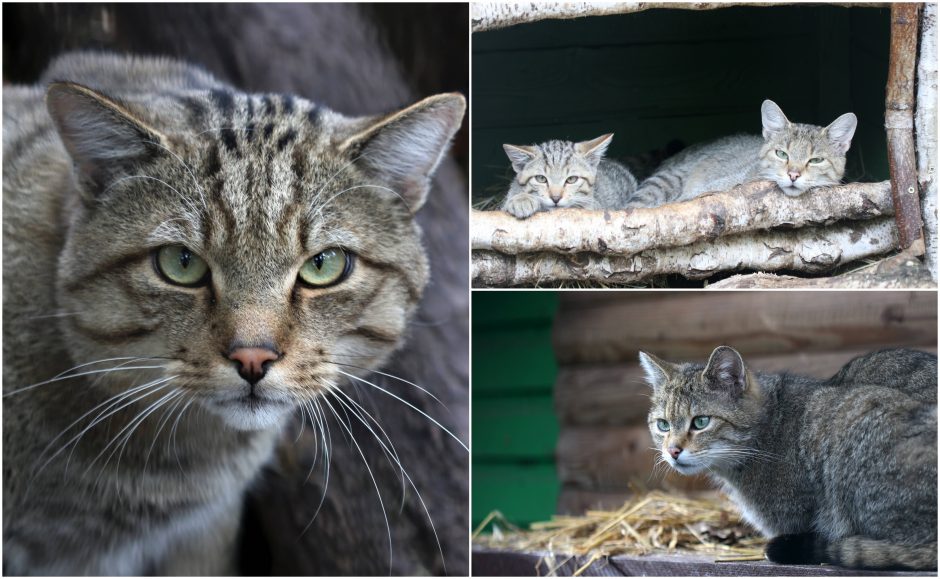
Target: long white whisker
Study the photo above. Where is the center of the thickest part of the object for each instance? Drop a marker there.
(88, 373)
(410, 405)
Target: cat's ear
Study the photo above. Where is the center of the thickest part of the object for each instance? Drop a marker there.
(773, 119)
(657, 371)
(405, 148)
(726, 371)
(519, 155)
(841, 131)
(594, 149)
(104, 138)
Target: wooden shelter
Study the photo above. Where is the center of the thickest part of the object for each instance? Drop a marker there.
(753, 227)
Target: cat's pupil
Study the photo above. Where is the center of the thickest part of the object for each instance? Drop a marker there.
(185, 258)
(318, 260)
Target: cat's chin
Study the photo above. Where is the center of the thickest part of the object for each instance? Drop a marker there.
(790, 190)
(687, 469)
(250, 414)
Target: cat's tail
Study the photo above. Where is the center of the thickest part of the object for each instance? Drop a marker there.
(855, 552)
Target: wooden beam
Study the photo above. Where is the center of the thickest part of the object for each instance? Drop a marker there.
(755, 323)
(899, 124)
(750, 207)
(494, 15)
(925, 130)
(811, 250)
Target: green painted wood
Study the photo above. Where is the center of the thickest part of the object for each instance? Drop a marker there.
(512, 361)
(519, 428)
(523, 494)
(502, 309)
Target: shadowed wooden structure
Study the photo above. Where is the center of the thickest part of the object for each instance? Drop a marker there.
(692, 107)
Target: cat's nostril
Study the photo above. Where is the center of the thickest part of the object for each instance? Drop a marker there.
(253, 363)
(675, 451)
(794, 175)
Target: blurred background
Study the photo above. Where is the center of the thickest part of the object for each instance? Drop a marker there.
(667, 78)
(559, 400)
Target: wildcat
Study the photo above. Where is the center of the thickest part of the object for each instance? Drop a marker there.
(839, 471)
(560, 174)
(184, 266)
(795, 156)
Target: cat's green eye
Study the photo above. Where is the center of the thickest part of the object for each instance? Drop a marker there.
(816, 160)
(541, 179)
(180, 266)
(782, 154)
(326, 268)
(700, 422)
(571, 180)
(662, 425)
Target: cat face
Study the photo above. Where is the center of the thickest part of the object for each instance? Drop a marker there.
(798, 156)
(253, 251)
(701, 419)
(559, 173)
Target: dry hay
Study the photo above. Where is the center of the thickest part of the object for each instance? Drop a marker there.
(649, 523)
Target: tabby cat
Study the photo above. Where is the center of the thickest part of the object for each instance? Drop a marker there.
(184, 266)
(840, 471)
(560, 174)
(793, 155)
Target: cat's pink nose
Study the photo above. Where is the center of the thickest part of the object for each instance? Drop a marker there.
(674, 451)
(556, 198)
(253, 363)
(794, 175)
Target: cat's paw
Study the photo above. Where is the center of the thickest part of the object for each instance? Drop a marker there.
(796, 549)
(521, 206)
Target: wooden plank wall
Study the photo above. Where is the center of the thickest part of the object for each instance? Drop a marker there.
(514, 424)
(664, 75)
(601, 399)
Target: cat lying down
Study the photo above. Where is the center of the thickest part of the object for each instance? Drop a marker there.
(840, 471)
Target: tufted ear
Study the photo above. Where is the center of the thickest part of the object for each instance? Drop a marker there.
(657, 371)
(841, 131)
(403, 149)
(104, 138)
(594, 149)
(726, 372)
(519, 155)
(772, 118)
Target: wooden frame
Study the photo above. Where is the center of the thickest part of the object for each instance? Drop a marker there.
(634, 246)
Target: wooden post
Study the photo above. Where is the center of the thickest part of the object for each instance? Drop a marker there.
(925, 131)
(899, 125)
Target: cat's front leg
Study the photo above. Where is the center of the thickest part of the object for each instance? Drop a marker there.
(522, 205)
(209, 549)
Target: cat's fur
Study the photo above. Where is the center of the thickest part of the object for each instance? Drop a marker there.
(782, 154)
(840, 471)
(165, 154)
(542, 174)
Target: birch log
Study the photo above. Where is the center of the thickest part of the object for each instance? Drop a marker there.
(493, 15)
(925, 125)
(899, 125)
(810, 249)
(749, 207)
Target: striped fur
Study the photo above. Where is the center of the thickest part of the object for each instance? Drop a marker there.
(128, 155)
(543, 173)
(795, 156)
(840, 471)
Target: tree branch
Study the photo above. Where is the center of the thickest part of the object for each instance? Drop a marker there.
(925, 125)
(811, 250)
(749, 207)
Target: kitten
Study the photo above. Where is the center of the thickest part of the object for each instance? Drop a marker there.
(840, 471)
(184, 266)
(793, 155)
(560, 174)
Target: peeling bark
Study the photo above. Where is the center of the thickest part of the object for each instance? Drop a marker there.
(925, 126)
(812, 250)
(749, 207)
(899, 123)
(493, 15)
